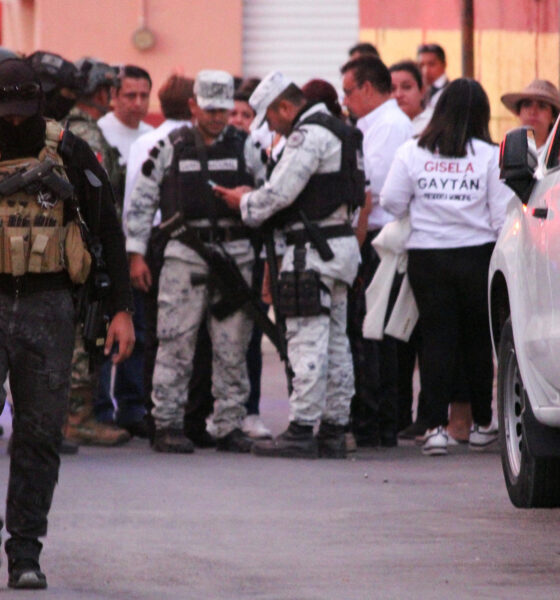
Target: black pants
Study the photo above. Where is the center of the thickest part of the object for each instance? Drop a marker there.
(36, 344)
(374, 408)
(407, 353)
(450, 288)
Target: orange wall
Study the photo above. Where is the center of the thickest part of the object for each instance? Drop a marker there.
(515, 41)
(190, 34)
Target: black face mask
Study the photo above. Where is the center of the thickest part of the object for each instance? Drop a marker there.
(57, 106)
(25, 139)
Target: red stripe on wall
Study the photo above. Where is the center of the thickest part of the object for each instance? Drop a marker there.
(510, 15)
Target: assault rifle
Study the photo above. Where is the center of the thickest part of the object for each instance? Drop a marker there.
(225, 275)
(33, 179)
(93, 304)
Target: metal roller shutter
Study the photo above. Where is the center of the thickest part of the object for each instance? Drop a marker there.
(302, 38)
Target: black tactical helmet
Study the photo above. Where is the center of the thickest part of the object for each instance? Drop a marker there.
(6, 53)
(20, 89)
(55, 72)
(96, 74)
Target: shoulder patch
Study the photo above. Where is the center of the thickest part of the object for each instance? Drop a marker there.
(296, 139)
(148, 167)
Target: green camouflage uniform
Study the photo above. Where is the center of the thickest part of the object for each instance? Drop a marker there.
(83, 125)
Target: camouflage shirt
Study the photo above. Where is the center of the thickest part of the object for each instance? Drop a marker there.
(85, 126)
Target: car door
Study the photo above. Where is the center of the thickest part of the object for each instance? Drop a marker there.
(543, 253)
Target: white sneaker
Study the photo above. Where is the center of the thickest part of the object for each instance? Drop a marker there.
(255, 428)
(481, 437)
(436, 442)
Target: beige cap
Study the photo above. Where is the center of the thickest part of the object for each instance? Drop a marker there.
(539, 89)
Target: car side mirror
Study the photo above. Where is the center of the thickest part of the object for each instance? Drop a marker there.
(518, 161)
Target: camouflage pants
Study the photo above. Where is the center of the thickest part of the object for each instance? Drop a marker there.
(36, 341)
(319, 352)
(181, 308)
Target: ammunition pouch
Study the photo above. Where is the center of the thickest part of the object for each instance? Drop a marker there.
(299, 294)
(33, 237)
(77, 258)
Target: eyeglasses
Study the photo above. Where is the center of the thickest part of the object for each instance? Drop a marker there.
(20, 91)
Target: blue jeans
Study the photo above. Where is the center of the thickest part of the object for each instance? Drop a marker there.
(129, 385)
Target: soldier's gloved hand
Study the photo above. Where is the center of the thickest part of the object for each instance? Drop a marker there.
(140, 274)
(121, 332)
(232, 196)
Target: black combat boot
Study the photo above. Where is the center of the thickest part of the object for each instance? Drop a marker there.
(24, 572)
(196, 432)
(331, 440)
(296, 442)
(172, 441)
(234, 441)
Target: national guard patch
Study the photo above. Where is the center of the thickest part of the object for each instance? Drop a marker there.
(296, 139)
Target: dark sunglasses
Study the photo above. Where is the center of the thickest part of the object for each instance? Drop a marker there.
(20, 91)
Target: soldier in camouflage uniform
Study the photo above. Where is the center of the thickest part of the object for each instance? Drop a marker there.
(318, 175)
(175, 179)
(93, 101)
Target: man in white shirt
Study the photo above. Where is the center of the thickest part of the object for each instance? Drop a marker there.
(124, 124)
(121, 128)
(432, 65)
(366, 83)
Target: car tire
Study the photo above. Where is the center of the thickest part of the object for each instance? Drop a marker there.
(531, 482)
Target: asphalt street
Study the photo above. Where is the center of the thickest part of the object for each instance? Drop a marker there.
(127, 523)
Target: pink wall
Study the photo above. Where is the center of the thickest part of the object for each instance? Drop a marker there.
(190, 34)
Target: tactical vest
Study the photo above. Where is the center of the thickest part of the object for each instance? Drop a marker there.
(325, 192)
(185, 188)
(33, 235)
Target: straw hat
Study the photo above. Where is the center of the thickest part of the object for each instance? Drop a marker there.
(539, 89)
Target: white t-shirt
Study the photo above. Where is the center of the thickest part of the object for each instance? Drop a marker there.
(453, 202)
(385, 129)
(120, 135)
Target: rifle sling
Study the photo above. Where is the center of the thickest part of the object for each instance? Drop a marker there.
(189, 238)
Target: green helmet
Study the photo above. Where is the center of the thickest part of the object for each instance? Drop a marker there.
(96, 74)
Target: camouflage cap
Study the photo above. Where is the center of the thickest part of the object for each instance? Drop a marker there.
(265, 93)
(96, 74)
(214, 90)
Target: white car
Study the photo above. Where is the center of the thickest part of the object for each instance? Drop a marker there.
(524, 299)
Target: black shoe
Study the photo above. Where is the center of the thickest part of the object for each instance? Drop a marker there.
(296, 442)
(234, 441)
(139, 429)
(26, 574)
(68, 447)
(388, 440)
(201, 438)
(364, 441)
(331, 440)
(412, 431)
(172, 441)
